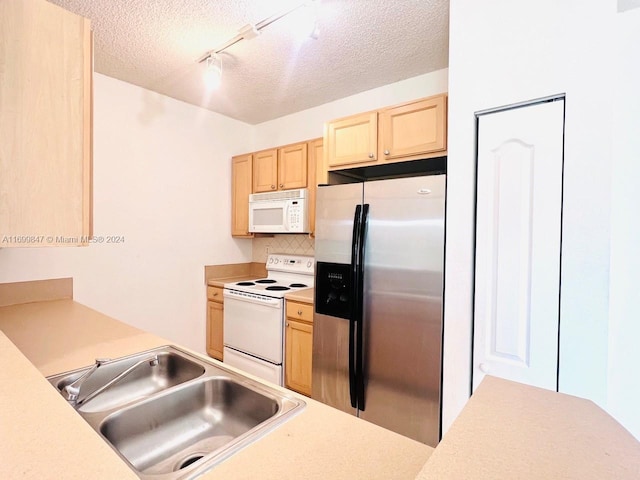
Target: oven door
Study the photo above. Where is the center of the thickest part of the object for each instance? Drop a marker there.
(253, 324)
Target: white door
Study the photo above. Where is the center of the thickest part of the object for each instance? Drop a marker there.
(518, 231)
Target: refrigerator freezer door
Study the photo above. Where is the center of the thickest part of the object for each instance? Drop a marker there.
(403, 290)
(336, 207)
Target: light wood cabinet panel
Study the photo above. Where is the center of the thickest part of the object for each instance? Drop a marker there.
(352, 140)
(316, 160)
(265, 171)
(299, 311)
(410, 131)
(292, 166)
(215, 326)
(215, 294)
(413, 129)
(45, 125)
(241, 178)
(298, 356)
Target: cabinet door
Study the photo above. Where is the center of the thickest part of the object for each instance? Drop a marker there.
(265, 171)
(413, 130)
(215, 325)
(298, 354)
(315, 163)
(45, 125)
(292, 166)
(352, 140)
(241, 177)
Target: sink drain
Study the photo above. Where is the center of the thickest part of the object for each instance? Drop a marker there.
(189, 461)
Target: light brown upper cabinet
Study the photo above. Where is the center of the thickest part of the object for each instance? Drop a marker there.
(352, 140)
(241, 177)
(292, 166)
(45, 125)
(409, 131)
(281, 168)
(265, 171)
(412, 129)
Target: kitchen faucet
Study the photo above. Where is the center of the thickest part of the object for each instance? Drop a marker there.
(71, 391)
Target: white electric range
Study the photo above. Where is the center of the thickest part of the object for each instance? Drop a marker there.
(254, 316)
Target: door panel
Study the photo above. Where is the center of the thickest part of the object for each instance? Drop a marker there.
(352, 140)
(265, 171)
(330, 363)
(517, 271)
(403, 288)
(335, 207)
(413, 129)
(298, 356)
(292, 166)
(215, 329)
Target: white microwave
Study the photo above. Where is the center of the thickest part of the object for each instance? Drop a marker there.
(286, 211)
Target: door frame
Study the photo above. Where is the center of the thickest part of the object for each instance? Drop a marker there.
(561, 97)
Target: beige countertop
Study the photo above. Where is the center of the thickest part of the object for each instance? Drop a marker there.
(41, 436)
(506, 431)
(512, 431)
(219, 282)
(304, 295)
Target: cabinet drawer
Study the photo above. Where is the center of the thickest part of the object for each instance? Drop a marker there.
(214, 294)
(300, 311)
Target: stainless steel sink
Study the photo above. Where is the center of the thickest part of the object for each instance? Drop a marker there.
(172, 369)
(181, 426)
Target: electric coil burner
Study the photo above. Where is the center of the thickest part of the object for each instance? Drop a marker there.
(254, 316)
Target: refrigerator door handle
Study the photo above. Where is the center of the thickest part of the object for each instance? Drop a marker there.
(360, 309)
(355, 242)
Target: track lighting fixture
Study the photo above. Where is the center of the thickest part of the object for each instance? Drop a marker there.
(213, 72)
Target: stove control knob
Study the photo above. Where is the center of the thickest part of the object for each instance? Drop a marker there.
(270, 259)
(309, 263)
(276, 261)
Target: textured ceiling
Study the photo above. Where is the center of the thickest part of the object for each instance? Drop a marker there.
(363, 44)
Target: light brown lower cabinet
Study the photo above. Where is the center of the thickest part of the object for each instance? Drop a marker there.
(215, 322)
(298, 347)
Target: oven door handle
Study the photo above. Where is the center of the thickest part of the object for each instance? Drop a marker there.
(248, 297)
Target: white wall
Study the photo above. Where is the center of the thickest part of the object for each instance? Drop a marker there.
(624, 326)
(503, 52)
(309, 124)
(161, 180)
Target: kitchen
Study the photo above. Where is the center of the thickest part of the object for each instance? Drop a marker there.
(156, 167)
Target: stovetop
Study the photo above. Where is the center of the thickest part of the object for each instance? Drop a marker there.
(285, 274)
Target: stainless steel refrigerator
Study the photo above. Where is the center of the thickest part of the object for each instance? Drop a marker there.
(377, 332)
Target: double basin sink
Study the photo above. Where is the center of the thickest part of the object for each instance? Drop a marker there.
(170, 415)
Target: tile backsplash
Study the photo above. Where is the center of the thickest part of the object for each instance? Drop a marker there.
(289, 243)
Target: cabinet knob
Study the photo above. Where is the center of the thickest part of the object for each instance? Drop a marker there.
(287, 324)
(215, 294)
(281, 185)
(299, 312)
(484, 368)
(387, 152)
(371, 155)
(273, 187)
